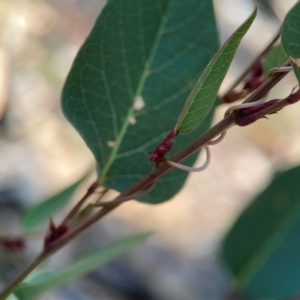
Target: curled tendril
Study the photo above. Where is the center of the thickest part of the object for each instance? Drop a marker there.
(191, 169)
(216, 141)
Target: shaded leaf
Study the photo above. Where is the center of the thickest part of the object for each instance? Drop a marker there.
(262, 248)
(274, 59)
(129, 80)
(44, 281)
(290, 38)
(203, 95)
(42, 211)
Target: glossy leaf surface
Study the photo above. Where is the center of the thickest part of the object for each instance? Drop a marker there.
(43, 210)
(129, 81)
(290, 38)
(41, 282)
(262, 249)
(203, 95)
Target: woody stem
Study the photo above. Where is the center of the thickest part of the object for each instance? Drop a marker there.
(143, 183)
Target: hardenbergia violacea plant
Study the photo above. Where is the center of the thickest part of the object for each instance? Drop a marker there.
(124, 94)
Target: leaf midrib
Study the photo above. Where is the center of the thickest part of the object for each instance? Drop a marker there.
(138, 92)
(272, 242)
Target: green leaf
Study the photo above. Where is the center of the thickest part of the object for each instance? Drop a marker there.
(275, 58)
(129, 80)
(262, 249)
(44, 281)
(42, 211)
(203, 95)
(290, 38)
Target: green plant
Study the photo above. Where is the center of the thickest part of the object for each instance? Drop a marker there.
(139, 64)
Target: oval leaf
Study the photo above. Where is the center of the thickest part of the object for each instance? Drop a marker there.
(290, 38)
(129, 80)
(42, 211)
(44, 281)
(262, 249)
(203, 95)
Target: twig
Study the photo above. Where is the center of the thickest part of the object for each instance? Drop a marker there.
(267, 85)
(88, 209)
(21, 276)
(261, 54)
(143, 183)
(123, 199)
(79, 204)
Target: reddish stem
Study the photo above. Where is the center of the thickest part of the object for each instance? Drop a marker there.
(249, 115)
(145, 181)
(251, 83)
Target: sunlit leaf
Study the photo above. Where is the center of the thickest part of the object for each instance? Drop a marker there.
(44, 281)
(291, 35)
(129, 81)
(202, 97)
(262, 249)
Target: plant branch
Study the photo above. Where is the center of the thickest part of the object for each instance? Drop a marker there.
(248, 70)
(150, 178)
(80, 203)
(268, 108)
(267, 85)
(21, 276)
(88, 209)
(144, 182)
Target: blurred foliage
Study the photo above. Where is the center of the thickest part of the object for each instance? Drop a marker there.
(274, 59)
(262, 248)
(44, 281)
(47, 208)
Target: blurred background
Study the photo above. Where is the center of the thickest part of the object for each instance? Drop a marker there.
(40, 154)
